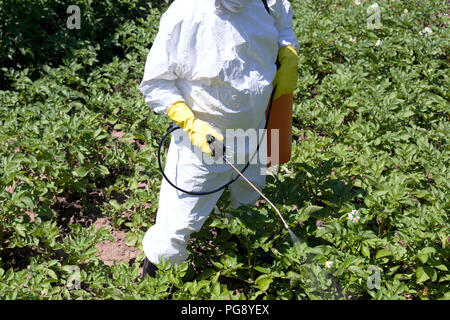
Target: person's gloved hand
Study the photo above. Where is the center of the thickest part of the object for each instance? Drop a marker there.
(196, 129)
(286, 77)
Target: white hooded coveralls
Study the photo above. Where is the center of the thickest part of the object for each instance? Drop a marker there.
(218, 56)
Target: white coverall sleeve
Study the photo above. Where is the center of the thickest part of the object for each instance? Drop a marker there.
(281, 11)
(159, 82)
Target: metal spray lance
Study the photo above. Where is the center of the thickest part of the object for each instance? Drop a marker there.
(218, 150)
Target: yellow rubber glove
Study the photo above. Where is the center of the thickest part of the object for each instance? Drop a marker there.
(286, 77)
(197, 129)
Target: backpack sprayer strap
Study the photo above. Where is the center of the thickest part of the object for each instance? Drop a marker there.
(266, 6)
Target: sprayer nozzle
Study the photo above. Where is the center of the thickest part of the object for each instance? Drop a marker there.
(294, 238)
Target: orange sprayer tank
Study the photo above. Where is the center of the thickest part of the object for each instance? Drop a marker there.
(281, 119)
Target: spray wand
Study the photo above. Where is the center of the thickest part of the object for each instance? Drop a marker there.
(218, 150)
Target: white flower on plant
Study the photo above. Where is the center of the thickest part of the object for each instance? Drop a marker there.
(375, 5)
(328, 264)
(377, 43)
(426, 30)
(353, 216)
(357, 2)
(405, 11)
(352, 39)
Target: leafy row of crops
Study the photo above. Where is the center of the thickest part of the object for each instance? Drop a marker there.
(366, 191)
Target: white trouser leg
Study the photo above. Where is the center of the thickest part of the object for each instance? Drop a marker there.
(241, 192)
(179, 214)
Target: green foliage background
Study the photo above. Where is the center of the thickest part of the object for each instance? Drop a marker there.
(371, 126)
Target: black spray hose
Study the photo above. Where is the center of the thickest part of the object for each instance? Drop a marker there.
(225, 185)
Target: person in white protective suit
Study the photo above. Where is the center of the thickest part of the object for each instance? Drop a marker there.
(211, 68)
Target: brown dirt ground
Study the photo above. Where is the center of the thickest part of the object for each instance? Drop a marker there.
(117, 250)
(72, 212)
